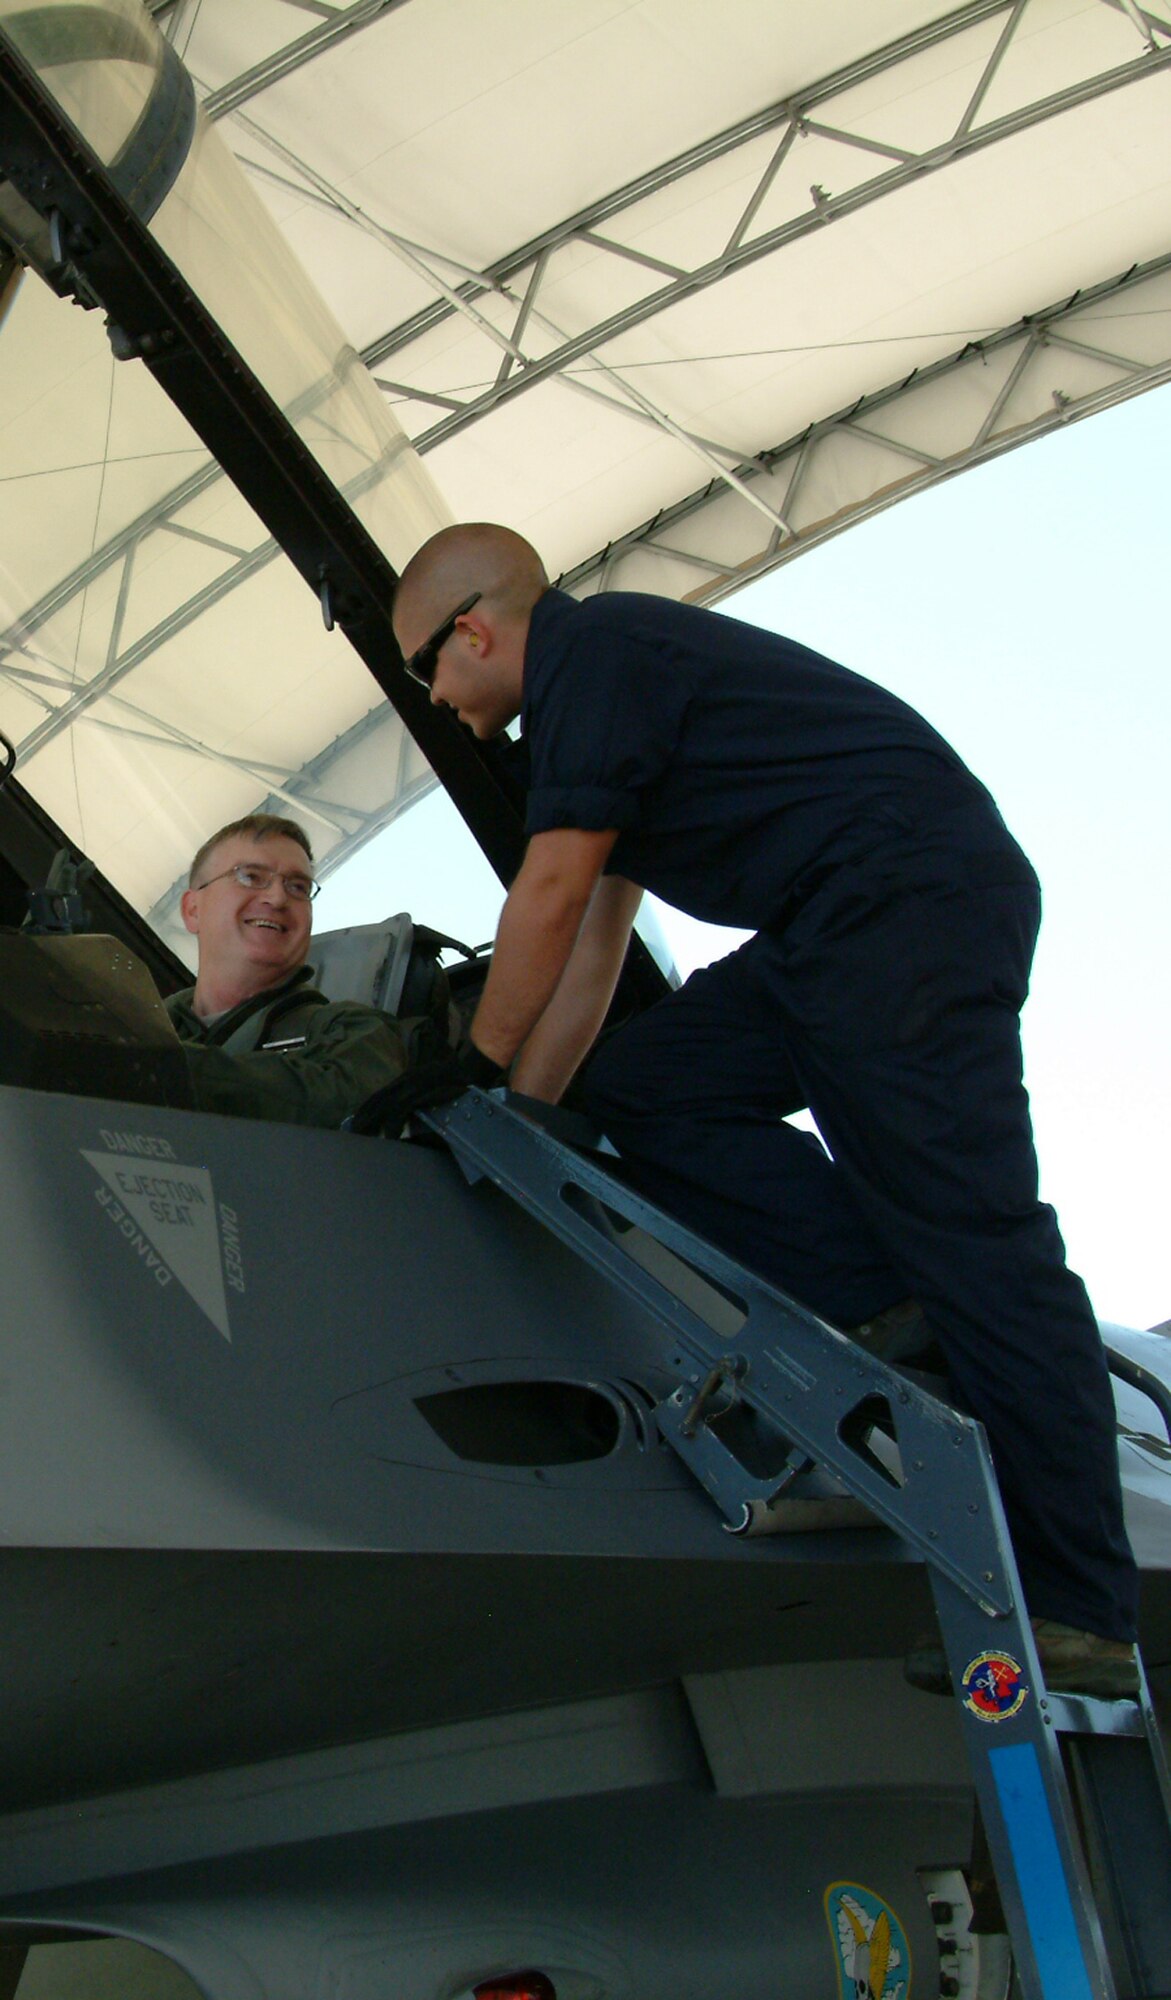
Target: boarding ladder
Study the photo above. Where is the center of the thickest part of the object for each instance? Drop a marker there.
(1073, 1792)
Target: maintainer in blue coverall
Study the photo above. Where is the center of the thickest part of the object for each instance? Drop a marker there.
(751, 782)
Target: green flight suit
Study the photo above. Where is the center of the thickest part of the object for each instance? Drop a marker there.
(290, 1054)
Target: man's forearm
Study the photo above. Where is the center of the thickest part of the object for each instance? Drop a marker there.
(569, 1026)
(527, 963)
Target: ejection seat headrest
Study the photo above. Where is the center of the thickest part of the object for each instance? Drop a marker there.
(393, 965)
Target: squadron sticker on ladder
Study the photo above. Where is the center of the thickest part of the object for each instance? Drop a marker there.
(167, 1214)
(873, 1957)
(993, 1686)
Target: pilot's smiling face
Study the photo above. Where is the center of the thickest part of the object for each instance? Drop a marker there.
(248, 930)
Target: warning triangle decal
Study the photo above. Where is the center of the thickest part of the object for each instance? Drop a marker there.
(172, 1206)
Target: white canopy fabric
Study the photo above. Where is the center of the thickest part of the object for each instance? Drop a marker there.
(600, 255)
(677, 290)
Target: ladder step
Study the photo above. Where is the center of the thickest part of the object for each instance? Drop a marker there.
(1084, 1715)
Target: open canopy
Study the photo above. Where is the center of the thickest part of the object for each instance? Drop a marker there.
(676, 290)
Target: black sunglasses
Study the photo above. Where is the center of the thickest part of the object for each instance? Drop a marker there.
(424, 660)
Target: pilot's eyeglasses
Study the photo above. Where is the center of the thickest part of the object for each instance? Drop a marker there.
(298, 888)
(424, 660)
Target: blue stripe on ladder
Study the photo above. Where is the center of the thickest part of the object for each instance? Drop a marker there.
(1040, 1875)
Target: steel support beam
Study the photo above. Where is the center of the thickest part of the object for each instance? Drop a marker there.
(673, 540)
(339, 24)
(824, 211)
(791, 117)
(666, 552)
(520, 279)
(516, 373)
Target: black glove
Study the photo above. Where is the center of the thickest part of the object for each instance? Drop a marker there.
(439, 1080)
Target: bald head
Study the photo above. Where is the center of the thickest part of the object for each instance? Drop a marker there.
(477, 667)
(478, 555)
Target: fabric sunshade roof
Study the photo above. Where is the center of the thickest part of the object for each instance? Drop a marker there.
(675, 290)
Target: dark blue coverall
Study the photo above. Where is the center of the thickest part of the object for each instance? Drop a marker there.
(759, 785)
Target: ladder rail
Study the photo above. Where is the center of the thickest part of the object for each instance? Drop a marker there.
(817, 1391)
(784, 1360)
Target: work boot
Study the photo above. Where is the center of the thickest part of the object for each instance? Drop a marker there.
(1072, 1662)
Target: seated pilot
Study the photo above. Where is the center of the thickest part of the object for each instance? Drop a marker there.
(261, 1040)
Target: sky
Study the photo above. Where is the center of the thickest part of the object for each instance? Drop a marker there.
(1021, 608)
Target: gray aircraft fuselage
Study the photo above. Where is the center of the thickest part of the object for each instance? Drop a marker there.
(360, 1633)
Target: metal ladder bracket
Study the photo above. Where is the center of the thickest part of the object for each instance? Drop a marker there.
(1073, 1792)
(811, 1383)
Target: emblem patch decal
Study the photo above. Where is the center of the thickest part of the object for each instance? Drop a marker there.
(167, 1213)
(993, 1686)
(870, 1944)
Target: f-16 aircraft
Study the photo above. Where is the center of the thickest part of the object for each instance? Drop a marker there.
(367, 1627)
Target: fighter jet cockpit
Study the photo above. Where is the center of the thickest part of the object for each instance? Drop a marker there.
(390, 1580)
(145, 689)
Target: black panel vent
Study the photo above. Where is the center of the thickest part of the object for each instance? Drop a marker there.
(523, 1423)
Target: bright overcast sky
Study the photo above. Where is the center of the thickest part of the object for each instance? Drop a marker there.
(1021, 608)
